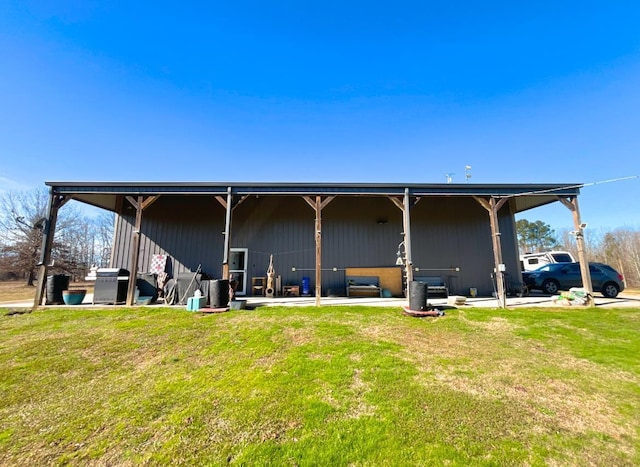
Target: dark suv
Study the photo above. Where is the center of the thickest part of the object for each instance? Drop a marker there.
(551, 278)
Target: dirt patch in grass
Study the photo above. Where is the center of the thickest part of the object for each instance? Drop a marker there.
(358, 406)
(298, 336)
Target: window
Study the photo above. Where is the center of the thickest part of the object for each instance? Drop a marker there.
(562, 258)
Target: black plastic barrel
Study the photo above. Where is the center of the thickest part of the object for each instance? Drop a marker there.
(55, 285)
(418, 296)
(219, 293)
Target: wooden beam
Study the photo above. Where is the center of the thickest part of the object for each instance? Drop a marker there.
(55, 203)
(149, 201)
(317, 205)
(227, 234)
(62, 200)
(140, 204)
(501, 202)
(397, 202)
(483, 202)
(318, 208)
(310, 201)
(135, 251)
(572, 204)
(566, 202)
(222, 201)
(326, 201)
(240, 201)
(487, 204)
(133, 201)
(497, 252)
(493, 205)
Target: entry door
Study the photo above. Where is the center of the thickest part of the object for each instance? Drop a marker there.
(238, 268)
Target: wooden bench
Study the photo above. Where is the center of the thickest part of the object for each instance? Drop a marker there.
(369, 285)
(435, 284)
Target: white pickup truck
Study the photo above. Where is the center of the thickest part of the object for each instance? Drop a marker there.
(531, 261)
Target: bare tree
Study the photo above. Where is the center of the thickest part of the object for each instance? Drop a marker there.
(104, 224)
(620, 248)
(79, 241)
(20, 219)
(86, 243)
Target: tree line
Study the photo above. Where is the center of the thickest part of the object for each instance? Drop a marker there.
(80, 242)
(619, 247)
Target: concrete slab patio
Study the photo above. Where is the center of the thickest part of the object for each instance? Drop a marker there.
(533, 300)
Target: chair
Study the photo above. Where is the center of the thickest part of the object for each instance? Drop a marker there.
(258, 285)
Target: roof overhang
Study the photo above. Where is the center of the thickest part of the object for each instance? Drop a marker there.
(105, 195)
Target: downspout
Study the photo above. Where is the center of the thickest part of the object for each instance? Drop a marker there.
(406, 218)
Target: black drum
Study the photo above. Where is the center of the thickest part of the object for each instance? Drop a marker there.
(418, 296)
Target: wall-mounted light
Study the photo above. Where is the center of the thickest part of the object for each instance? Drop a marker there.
(382, 221)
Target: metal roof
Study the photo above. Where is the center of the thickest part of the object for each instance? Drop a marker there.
(105, 194)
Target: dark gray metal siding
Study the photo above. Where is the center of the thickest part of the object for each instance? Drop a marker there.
(357, 232)
(455, 233)
(282, 226)
(187, 228)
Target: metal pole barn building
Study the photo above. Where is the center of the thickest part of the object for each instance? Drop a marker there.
(318, 232)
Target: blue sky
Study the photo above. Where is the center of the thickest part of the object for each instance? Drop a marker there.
(327, 91)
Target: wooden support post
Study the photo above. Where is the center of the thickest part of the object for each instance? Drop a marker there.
(318, 205)
(140, 204)
(405, 207)
(497, 252)
(135, 250)
(229, 206)
(493, 206)
(572, 205)
(318, 209)
(227, 235)
(55, 203)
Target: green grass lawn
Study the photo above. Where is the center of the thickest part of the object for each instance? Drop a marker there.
(326, 386)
